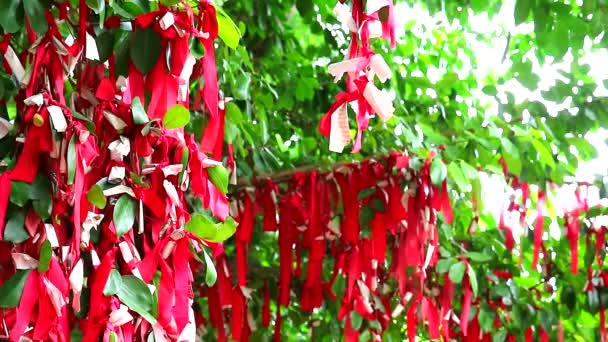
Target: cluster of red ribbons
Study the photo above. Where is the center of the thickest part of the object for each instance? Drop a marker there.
(372, 225)
(375, 19)
(110, 257)
(570, 202)
(516, 214)
(354, 216)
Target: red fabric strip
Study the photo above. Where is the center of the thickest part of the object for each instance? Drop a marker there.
(466, 306)
(378, 225)
(572, 235)
(446, 206)
(538, 228)
(99, 304)
(266, 306)
(285, 251)
(446, 305)
(237, 313)
(429, 311)
(277, 325)
(29, 298)
(544, 337)
(166, 295)
(529, 335)
(183, 283)
(412, 321)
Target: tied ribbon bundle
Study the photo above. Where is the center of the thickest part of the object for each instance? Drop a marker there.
(361, 66)
(353, 216)
(102, 247)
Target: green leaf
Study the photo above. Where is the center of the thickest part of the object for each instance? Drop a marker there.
(366, 336)
(241, 87)
(46, 252)
(139, 113)
(479, 257)
(227, 29)
(305, 8)
(114, 283)
(76, 336)
(589, 6)
(366, 215)
(144, 49)
(546, 157)
(226, 230)
(469, 172)
(71, 160)
(203, 227)
(511, 154)
(43, 207)
(113, 337)
(96, 197)
(177, 116)
(472, 280)
(19, 193)
(486, 318)
(135, 294)
(14, 230)
(169, 2)
(443, 265)
(34, 10)
(522, 9)
(568, 297)
(231, 131)
(124, 215)
(489, 90)
(500, 336)
(130, 9)
(455, 175)
(121, 52)
(218, 175)
(233, 113)
(457, 272)
(584, 148)
(11, 16)
(356, 320)
(378, 205)
(40, 188)
(365, 193)
(96, 5)
(210, 272)
(11, 290)
(105, 43)
(438, 171)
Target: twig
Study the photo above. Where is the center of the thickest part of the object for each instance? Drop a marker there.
(504, 55)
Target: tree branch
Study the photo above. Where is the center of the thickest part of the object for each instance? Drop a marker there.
(285, 175)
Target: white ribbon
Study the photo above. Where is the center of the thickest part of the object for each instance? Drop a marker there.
(379, 100)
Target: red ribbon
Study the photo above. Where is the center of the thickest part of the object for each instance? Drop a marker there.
(466, 305)
(538, 228)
